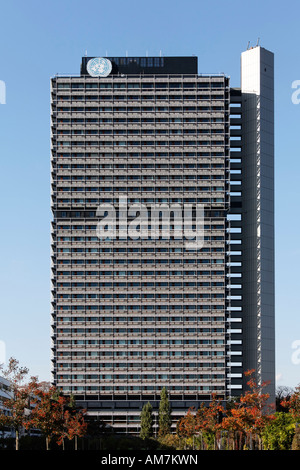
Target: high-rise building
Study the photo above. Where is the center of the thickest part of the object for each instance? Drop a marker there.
(137, 305)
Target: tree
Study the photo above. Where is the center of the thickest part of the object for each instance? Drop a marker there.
(283, 393)
(292, 403)
(251, 413)
(146, 421)
(186, 426)
(208, 418)
(14, 373)
(15, 405)
(279, 433)
(74, 426)
(47, 414)
(164, 414)
(13, 414)
(55, 416)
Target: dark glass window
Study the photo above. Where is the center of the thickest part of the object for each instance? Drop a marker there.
(161, 85)
(77, 85)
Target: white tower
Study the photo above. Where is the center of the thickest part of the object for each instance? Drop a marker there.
(257, 88)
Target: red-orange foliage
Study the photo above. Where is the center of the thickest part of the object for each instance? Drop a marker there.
(54, 415)
(37, 405)
(251, 413)
(14, 408)
(186, 426)
(75, 425)
(206, 419)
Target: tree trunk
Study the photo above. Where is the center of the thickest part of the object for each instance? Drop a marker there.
(17, 440)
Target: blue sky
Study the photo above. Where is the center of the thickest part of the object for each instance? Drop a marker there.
(39, 39)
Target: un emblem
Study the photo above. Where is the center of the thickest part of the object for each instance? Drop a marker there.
(99, 67)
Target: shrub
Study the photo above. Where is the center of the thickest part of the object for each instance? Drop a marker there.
(296, 439)
(278, 435)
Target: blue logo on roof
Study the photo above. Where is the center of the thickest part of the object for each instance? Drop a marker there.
(99, 67)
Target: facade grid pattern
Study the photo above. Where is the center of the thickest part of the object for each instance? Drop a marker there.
(130, 317)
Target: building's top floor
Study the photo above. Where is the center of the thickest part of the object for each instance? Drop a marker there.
(98, 66)
(142, 68)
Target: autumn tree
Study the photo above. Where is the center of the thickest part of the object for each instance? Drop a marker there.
(16, 401)
(55, 416)
(47, 413)
(13, 413)
(208, 418)
(186, 426)
(76, 425)
(251, 413)
(73, 424)
(14, 373)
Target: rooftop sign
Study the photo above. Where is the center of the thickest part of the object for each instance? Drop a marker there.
(99, 67)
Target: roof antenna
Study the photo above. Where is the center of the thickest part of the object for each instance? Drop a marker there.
(248, 45)
(257, 42)
(85, 54)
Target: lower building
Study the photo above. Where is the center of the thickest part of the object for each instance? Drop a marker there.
(5, 394)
